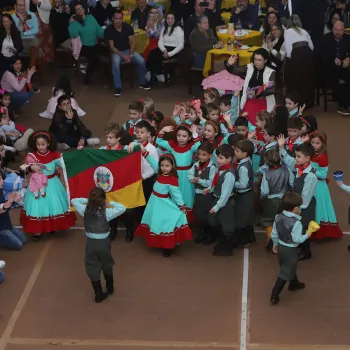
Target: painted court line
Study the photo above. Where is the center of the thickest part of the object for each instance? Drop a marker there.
(24, 297)
(244, 303)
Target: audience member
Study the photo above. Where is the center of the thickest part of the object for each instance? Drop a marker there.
(121, 39)
(103, 11)
(59, 21)
(153, 29)
(335, 16)
(247, 14)
(140, 14)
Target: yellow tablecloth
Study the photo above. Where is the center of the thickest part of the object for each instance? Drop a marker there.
(252, 39)
(132, 4)
(244, 57)
(141, 41)
(232, 3)
(126, 17)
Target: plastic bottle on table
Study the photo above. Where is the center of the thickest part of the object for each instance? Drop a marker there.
(236, 44)
(239, 27)
(229, 44)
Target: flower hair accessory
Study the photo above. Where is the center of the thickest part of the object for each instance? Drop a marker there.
(304, 121)
(196, 104)
(184, 125)
(319, 134)
(210, 122)
(2, 91)
(42, 133)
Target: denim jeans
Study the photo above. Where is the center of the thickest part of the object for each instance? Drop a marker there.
(2, 277)
(136, 59)
(19, 98)
(12, 239)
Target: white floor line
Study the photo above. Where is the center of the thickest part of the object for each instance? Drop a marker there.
(244, 306)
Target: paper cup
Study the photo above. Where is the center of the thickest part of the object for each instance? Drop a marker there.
(338, 175)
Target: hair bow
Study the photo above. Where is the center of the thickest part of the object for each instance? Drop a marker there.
(196, 104)
(2, 91)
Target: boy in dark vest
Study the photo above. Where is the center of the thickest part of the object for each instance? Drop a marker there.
(244, 207)
(287, 234)
(201, 175)
(221, 215)
(305, 184)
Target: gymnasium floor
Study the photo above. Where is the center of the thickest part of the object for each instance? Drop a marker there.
(191, 300)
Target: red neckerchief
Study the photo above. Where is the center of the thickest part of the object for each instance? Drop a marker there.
(276, 167)
(260, 134)
(145, 144)
(290, 143)
(216, 177)
(25, 26)
(301, 168)
(235, 165)
(202, 167)
(118, 148)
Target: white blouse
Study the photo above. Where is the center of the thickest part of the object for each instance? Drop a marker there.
(6, 44)
(281, 52)
(291, 37)
(176, 40)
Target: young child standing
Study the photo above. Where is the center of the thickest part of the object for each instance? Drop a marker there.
(164, 224)
(244, 181)
(201, 175)
(221, 215)
(211, 95)
(293, 104)
(98, 257)
(183, 148)
(135, 116)
(50, 213)
(275, 183)
(287, 234)
(325, 214)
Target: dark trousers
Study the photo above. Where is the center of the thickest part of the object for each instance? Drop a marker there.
(147, 186)
(72, 139)
(155, 59)
(90, 53)
(340, 90)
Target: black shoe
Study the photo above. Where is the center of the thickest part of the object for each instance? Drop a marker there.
(200, 237)
(109, 283)
(269, 245)
(146, 86)
(99, 295)
(129, 237)
(36, 90)
(210, 239)
(276, 291)
(36, 237)
(117, 92)
(295, 285)
(167, 253)
(304, 256)
(224, 248)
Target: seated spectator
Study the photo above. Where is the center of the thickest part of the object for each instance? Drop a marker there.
(88, 29)
(140, 14)
(170, 44)
(10, 42)
(59, 21)
(271, 19)
(336, 50)
(283, 11)
(67, 127)
(202, 39)
(299, 61)
(274, 45)
(14, 137)
(334, 17)
(28, 25)
(193, 20)
(153, 28)
(247, 14)
(121, 38)
(63, 87)
(10, 237)
(18, 83)
(103, 11)
(213, 12)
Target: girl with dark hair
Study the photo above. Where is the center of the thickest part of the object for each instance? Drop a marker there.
(51, 212)
(97, 214)
(63, 87)
(259, 85)
(10, 42)
(170, 44)
(335, 15)
(271, 19)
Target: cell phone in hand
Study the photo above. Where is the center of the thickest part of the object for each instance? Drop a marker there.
(204, 4)
(29, 16)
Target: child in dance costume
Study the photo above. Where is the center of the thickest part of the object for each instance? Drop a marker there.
(287, 234)
(201, 175)
(180, 112)
(229, 105)
(164, 223)
(155, 118)
(135, 116)
(183, 148)
(212, 133)
(48, 213)
(221, 215)
(97, 214)
(148, 105)
(117, 139)
(244, 181)
(275, 183)
(309, 125)
(211, 95)
(325, 214)
(293, 104)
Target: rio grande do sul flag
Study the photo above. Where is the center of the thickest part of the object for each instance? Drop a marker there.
(118, 173)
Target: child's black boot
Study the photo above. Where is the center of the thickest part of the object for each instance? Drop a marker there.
(129, 225)
(295, 284)
(109, 283)
(114, 226)
(201, 236)
(224, 248)
(276, 291)
(211, 235)
(99, 295)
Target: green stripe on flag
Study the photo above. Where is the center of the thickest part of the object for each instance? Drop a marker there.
(79, 161)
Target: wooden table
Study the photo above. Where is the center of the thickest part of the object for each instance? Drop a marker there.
(222, 54)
